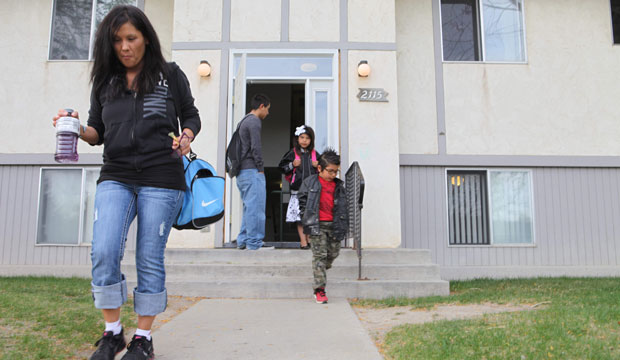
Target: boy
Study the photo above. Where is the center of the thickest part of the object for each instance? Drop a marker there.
(324, 216)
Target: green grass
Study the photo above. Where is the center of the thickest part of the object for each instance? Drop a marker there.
(49, 318)
(580, 319)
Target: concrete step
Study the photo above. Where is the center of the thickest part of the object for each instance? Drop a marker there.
(288, 256)
(197, 272)
(279, 288)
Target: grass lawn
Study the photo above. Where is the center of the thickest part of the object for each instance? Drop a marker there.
(49, 318)
(577, 319)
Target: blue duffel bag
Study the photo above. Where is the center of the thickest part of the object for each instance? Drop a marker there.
(204, 196)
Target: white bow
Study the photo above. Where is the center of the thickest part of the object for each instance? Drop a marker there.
(300, 130)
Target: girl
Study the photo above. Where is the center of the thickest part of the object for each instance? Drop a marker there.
(297, 164)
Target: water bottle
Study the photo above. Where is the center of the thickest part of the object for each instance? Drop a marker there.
(67, 131)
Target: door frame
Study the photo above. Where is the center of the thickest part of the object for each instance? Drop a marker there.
(333, 105)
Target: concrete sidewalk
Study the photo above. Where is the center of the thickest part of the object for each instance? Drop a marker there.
(273, 329)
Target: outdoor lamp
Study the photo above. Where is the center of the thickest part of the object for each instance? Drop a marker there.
(204, 69)
(363, 69)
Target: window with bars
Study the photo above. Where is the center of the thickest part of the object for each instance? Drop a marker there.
(468, 208)
(483, 30)
(487, 207)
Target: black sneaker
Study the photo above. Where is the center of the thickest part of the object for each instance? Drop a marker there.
(108, 346)
(139, 349)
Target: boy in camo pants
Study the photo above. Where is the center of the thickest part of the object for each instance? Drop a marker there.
(324, 216)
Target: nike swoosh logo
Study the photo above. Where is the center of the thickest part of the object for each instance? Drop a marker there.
(204, 204)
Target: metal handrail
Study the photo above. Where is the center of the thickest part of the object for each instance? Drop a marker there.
(355, 198)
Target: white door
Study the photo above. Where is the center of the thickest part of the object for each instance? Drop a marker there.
(233, 196)
(322, 113)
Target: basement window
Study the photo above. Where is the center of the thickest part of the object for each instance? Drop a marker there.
(490, 207)
(66, 206)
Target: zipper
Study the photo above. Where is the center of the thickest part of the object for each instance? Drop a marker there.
(133, 131)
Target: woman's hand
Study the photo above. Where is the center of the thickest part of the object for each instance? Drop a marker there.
(62, 113)
(296, 162)
(182, 143)
(315, 163)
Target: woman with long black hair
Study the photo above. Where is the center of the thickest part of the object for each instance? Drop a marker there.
(135, 101)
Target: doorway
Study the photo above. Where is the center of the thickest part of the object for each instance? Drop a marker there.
(286, 113)
(303, 89)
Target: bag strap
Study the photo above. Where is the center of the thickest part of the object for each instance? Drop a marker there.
(313, 155)
(175, 97)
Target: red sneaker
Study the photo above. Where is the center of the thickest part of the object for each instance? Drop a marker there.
(320, 296)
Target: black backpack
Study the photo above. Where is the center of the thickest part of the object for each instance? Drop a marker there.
(233, 153)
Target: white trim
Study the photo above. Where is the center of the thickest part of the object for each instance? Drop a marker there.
(91, 37)
(481, 34)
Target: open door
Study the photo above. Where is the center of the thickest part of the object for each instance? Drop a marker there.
(233, 198)
(322, 113)
(312, 75)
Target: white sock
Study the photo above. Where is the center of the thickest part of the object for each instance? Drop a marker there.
(114, 327)
(144, 333)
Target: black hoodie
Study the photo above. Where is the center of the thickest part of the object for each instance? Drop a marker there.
(134, 132)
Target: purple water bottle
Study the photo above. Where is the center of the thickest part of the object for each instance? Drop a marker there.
(67, 131)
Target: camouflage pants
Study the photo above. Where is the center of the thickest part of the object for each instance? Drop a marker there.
(324, 250)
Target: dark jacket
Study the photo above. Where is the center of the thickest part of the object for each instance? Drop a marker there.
(134, 131)
(303, 171)
(309, 196)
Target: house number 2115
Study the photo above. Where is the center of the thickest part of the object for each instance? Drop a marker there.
(372, 94)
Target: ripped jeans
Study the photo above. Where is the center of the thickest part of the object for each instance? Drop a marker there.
(116, 206)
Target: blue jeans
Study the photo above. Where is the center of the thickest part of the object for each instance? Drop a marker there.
(116, 206)
(253, 190)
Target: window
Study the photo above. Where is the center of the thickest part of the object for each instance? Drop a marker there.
(66, 206)
(615, 20)
(73, 30)
(500, 213)
(483, 30)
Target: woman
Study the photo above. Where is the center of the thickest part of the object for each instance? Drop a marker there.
(136, 97)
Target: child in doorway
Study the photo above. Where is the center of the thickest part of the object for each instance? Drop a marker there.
(297, 164)
(324, 216)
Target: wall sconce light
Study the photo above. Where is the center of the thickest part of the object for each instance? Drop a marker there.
(204, 69)
(363, 69)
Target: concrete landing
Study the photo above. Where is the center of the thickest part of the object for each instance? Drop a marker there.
(223, 329)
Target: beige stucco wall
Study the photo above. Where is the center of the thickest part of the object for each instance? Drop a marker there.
(317, 20)
(33, 88)
(373, 134)
(371, 21)
(160, 13)
(197, 20)
(564, 101)
(206, 92)
(252, 20)
(417, 111)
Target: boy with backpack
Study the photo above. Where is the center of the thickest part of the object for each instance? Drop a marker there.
(244, 159)
(324, 216)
